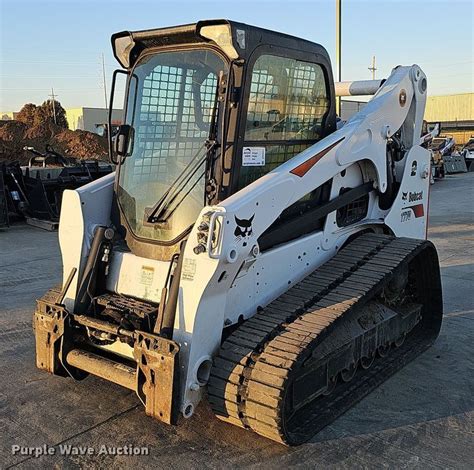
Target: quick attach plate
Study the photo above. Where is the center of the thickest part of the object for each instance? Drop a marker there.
(157, 369)
(49, 324)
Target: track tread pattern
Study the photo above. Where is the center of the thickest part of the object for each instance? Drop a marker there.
(250, 374)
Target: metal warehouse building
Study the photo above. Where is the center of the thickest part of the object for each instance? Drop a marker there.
(456, 114)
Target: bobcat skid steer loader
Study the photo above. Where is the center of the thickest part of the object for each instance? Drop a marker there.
(245, 250)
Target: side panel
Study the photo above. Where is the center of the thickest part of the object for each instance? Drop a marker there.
(81, 211)
(266, 277)
(263, 278)
(408, 216)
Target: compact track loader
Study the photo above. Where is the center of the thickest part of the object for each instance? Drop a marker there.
(245, 249)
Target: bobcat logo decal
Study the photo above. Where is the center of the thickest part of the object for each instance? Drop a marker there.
(404, 196)
(244, 227)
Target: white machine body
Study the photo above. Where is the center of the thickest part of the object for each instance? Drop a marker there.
(228, 281)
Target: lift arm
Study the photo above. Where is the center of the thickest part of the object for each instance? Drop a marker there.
(209, 270)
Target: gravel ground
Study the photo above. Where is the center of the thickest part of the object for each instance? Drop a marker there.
(420, 418)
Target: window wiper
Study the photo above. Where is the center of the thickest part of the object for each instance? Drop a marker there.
(168, 211)
(158, 211)
(169, 202)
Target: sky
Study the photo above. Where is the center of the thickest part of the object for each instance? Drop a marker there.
(59, 44)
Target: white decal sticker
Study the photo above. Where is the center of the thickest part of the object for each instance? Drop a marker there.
(253, 156)
(146, 277)
(189, 269)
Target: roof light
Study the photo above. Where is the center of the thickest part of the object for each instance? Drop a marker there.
(123, 45)
(221, 34)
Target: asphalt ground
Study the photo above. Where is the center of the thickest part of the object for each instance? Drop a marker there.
(422, 417)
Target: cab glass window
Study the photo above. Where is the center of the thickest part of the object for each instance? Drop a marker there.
(287, 106)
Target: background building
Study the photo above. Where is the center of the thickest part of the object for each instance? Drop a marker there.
(456, 114)
(85, 119)
(88, 119)
(8, 115)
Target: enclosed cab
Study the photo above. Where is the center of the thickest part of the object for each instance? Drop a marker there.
(214, 106)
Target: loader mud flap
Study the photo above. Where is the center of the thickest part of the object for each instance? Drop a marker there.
(330, 340)
(157, 370)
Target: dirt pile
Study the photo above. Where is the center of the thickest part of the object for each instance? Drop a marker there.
(81, 144)
(14, 135)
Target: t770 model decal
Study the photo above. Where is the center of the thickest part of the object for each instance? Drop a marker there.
(304, 167)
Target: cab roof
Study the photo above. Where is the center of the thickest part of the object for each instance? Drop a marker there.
(236, 40)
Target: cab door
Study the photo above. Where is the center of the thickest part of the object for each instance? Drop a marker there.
(287, 108)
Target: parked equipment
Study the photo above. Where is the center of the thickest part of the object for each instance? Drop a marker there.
(4, 222)
(454, 163)
(34, 192)
(440, 147)
(468, 153)
(445, 145)
(245, 247)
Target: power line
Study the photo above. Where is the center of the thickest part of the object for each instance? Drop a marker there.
(338, 51)
(55, 61)
(449, 64)
(65, 90)
(74, 76)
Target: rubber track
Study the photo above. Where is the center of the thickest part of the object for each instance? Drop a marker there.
(249, 377)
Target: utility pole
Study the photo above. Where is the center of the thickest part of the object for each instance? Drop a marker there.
(53, 97)
(373, 68)
(338, 51)
(105, 82)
